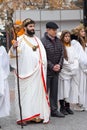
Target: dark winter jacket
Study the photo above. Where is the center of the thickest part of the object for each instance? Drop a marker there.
(55, 53)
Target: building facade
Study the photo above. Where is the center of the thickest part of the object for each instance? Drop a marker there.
(66, 19)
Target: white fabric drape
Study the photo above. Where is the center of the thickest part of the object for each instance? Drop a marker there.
(33, 96)
(68, 79)
(82, 72)
(4, 88)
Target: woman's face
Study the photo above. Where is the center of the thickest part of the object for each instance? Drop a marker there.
(67, 38)
(82, 33)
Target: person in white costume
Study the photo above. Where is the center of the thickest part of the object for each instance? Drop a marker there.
(32, 76)
(80, 47)
(68, 80)
(4, 87)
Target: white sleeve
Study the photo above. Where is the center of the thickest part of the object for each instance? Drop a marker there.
(80, 52)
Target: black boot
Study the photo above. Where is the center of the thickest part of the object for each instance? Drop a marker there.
(67, 106)
(62, 107)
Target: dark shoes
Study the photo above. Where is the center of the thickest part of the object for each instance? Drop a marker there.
(57, 114)
(69, 111)
(63, 110)
(66, 111)
(0, 127)
(23, 123)
(35, 120)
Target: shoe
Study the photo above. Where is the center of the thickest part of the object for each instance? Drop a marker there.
(36, 120)
(63, 111)
(78, 108)
(46, 122)
(57, 114)
(23, 123)
(69, 111)
(84, 108)
(0, 127)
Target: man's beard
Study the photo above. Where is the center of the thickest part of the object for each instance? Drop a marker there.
(30, 33)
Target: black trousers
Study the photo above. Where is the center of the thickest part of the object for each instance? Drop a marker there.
(52, 86)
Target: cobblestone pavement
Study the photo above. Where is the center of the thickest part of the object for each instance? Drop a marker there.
(78, 121)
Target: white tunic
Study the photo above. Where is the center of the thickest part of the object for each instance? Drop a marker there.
(82, 72)
(32, 79)
(4, 88)
(68, 80)
(84, 89)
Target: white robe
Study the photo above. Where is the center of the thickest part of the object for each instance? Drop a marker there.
(80, 53)
(82, 72)
(84, 90)
(68, 80)
(4, 87)
(32, 80)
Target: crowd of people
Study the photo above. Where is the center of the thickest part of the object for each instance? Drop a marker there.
(52, 73)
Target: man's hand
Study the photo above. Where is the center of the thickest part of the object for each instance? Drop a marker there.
(15, 44)
(56, 67)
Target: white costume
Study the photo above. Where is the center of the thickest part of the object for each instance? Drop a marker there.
(68, 80)
(85, 91)
(4, 88)
(80, 52)
(32, 79)
(82, 72)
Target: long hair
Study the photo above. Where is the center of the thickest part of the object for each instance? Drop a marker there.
(62, 40)
(82, 40)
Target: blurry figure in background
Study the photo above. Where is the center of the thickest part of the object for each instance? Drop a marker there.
(1, 34)
(59, 34)
(4, 87)
(32, 76)
(19, 30)
(80, 46)
(18, 25)
(68, 80)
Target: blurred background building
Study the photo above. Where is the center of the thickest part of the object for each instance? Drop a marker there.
(66, 13)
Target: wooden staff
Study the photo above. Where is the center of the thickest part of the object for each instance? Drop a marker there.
(19, 99)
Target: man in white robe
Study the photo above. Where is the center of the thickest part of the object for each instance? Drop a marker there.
(32, 76)
(4, 87)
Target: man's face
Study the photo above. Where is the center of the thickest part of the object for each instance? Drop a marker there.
(52, 32)
(30, 29)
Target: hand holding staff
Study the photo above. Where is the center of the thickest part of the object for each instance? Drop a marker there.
(15, 45)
